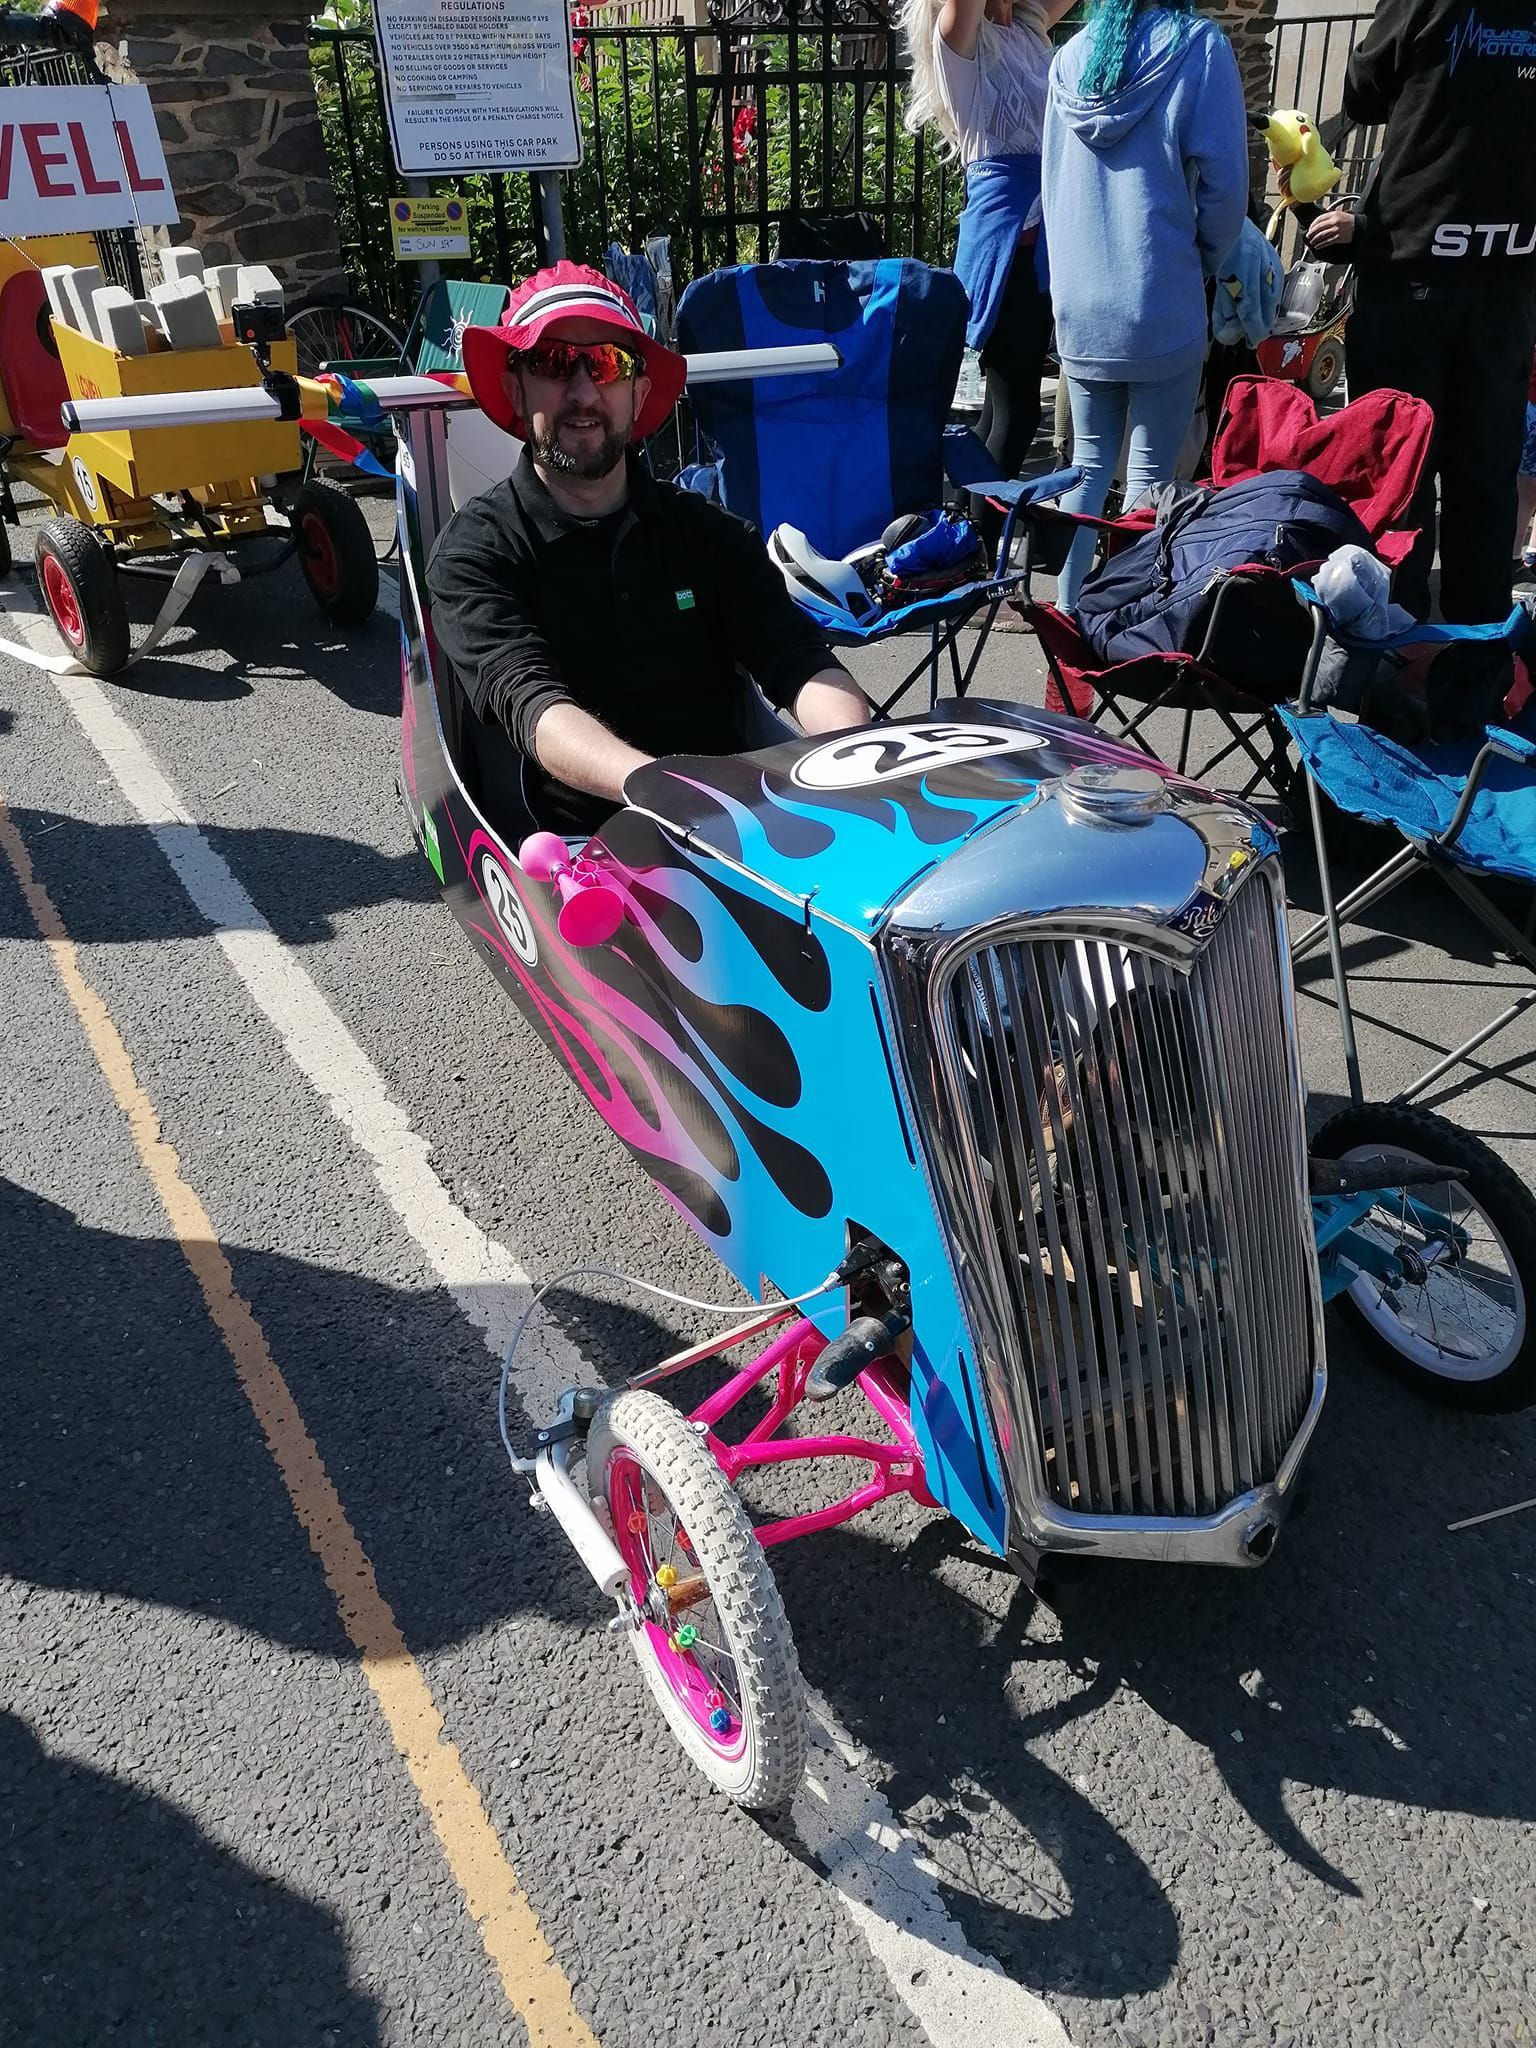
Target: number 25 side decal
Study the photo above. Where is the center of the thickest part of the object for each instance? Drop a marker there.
(863, 760)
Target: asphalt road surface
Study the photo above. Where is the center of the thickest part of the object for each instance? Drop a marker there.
(276, 1164)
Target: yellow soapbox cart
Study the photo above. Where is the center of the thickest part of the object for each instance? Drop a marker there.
(139, 500)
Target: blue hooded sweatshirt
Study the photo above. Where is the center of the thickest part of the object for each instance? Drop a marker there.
(1144, 193)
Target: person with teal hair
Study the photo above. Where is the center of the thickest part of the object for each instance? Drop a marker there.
(1109, 40)
(1144, 191)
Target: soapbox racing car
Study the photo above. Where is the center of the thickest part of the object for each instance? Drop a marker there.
(967, 1043)
(1079, 1252)
(175, 491)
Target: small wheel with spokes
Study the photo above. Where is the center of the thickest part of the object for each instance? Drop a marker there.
(1453, 1316)
(325, 331)
(713, 1640)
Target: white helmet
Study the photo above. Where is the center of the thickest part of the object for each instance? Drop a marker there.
(831, 591)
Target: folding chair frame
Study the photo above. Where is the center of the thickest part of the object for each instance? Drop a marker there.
(1013, 499)
(944, 638)
(1435, 854)
(1271, 767)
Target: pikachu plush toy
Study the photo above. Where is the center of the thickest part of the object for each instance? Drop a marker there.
(1295, 146)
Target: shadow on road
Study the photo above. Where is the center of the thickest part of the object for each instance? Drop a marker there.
(124, 1921)
(145, 1474)
(284, 635)
(111, 892)
(1373, 1657)
(271, 613)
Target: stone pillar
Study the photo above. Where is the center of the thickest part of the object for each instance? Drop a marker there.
(1250, 24)
(234, 99)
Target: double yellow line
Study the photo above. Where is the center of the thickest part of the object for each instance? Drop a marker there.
(534, 1983)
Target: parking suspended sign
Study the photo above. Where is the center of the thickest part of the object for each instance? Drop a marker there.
(78, 157)
(477, 85)
(425, 228)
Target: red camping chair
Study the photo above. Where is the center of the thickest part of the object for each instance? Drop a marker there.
(1370, 452)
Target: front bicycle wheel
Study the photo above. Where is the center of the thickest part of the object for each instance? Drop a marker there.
(1454, 1317)
(713, 1639)
(324, 331)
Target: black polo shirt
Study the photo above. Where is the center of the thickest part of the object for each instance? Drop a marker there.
(646, 618)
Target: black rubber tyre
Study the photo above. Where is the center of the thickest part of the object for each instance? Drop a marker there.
(335, 552)
(80, 588)
(1490, 1286)
(637, 1438)
(1327, 371)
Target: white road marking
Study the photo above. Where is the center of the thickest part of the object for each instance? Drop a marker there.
(484, 1279)
(1493, 1515)
(956, 1995)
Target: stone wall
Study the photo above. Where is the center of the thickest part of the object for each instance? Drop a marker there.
(235, 105)
(1250, 24)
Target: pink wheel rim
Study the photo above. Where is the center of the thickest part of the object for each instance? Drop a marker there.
(702, 1678)
(62, 601)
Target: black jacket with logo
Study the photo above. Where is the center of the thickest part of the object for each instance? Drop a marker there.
(649, 619)
(1455, 82)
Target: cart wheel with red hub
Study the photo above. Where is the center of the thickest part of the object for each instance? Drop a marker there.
(335, 552)
(711, 1633)
(1326, 371)
(80, 589)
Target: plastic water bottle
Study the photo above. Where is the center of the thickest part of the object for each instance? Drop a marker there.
(968, 390)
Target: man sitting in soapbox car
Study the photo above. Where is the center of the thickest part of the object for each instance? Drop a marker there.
(592, 617)
(967, 1043)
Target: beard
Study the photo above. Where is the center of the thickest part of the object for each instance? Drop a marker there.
(594, 459)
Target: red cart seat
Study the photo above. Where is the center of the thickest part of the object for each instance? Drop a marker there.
(30, 371)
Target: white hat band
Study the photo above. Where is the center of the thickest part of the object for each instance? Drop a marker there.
(573, 298)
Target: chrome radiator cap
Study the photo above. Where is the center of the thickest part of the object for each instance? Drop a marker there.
(1107, 842)
(1102, 793)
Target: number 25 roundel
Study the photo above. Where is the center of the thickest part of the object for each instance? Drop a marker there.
(862, 760)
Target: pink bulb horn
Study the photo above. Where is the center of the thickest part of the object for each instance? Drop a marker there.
(590, 914)
(590, 911)
(542, 855)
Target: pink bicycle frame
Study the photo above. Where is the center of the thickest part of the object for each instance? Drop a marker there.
(895, 1467)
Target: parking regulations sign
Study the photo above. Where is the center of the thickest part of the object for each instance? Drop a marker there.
(477, 85)
(422, 229)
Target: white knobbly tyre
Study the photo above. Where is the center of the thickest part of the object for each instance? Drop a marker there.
(715, 1646)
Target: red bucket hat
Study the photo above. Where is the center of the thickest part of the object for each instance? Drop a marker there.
(568, 291)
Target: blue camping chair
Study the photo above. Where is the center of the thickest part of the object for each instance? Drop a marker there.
(840, 455)
(1466, 812)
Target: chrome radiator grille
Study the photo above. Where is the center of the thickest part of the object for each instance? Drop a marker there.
(1137, 1135)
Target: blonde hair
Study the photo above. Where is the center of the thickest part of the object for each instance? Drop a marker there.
(926, 104)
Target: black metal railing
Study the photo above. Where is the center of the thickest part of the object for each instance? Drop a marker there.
(1311, 57)
(716, 135)
(713, 136)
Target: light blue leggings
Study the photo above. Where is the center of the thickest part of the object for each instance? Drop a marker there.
(1159, 415)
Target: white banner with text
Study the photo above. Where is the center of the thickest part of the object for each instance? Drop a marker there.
(78, 157)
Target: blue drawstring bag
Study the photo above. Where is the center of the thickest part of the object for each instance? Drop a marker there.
(943, 552)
